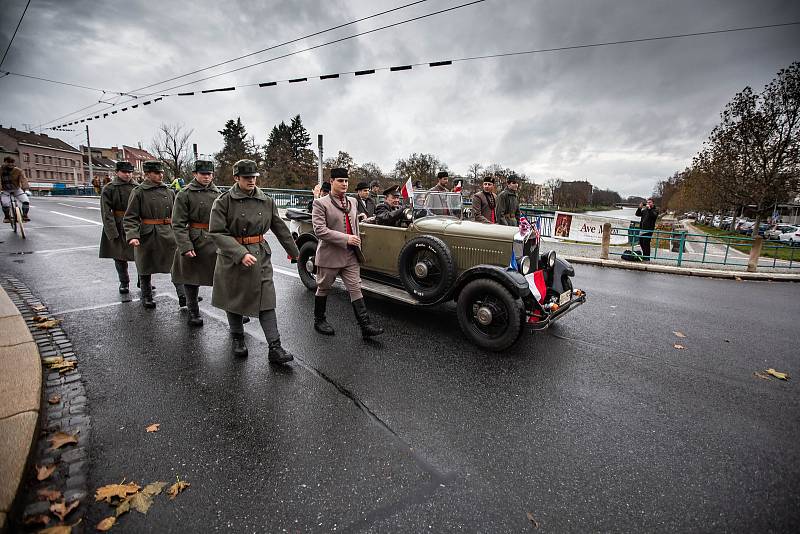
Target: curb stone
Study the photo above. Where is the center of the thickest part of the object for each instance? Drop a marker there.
(69, 414)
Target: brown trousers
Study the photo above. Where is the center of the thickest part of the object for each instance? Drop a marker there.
(350, 275)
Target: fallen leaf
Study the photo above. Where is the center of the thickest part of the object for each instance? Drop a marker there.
(777, 374)
(679, 347)
(154, 488)
(39, 319)
(38, 308)
(51, 323)
(140, 502)
(58, 529)
(153, 428)
(738, 278)
(40, 519)
(122, 508)
(679, 334)
(176, 488)
(532, 520)
(59, 439)
(44, 472)
(761, 375)
(49, 494)
(54, 398)
(106, 493)
(66, 365)
(51, 360)
(106, 523)
(61, 509)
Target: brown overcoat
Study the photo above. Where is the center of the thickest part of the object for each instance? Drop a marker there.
(482, 211)
(156, 241)
(240, 289)
(328, 220)
(193, 205)
(113, 203)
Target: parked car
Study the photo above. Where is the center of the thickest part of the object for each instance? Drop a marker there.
(776, 230)
(716, 220)
(436, 256)
(792, 236)
(725, 223)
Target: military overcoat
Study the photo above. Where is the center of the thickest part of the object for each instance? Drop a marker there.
(240, 289)
(113, 203)
(193, 205)
(507, 210)
(157, 241)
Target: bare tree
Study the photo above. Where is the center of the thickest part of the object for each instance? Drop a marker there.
(171, 145)
(474, 171)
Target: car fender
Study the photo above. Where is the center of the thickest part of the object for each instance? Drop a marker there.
(511, 280)
(302, 239)
(561, 270)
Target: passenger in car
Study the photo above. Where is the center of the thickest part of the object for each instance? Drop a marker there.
(319, 192)
(389, 212)
(485, 202)
(442, 180)
(364, 202)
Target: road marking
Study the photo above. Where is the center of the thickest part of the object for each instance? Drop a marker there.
(61, 226)
(97, 307)
(74, 217)
(69, 249)
(285, 272)
(91, 208)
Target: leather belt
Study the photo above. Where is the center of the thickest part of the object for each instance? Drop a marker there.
(249, 240)
(119, 213)
(157, 221)
(202, 226)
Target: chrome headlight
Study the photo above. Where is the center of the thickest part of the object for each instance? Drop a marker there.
(525, 265)
(551, 259)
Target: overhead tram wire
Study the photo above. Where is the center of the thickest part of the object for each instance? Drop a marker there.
(15, 33)
(339, 26)
(409, 66)
(294, 53)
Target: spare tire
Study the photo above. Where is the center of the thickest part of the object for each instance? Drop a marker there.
(426, 268)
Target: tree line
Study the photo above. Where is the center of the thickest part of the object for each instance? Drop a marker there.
(750, 160)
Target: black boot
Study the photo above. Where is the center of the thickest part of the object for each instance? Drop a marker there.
(239, 348)
(123, 288)
(182, 301)
(147, 295)
(367, 329)
(320, 324)
(277, 354)
(195, 319)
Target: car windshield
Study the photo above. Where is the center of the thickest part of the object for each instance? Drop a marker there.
(430, 203)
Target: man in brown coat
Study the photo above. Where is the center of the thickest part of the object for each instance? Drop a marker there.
(113, 203)
(196, 255)
(148, 229)
(335, 221)
(443, 179)
(243, 273)
(484, 202)
(14, 183)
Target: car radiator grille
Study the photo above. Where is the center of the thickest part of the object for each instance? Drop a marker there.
(466, 257)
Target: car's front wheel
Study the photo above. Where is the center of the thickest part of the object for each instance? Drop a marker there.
(305, 265)
(489, 315)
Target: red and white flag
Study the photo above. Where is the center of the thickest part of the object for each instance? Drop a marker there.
(457, 187)
(537, 285)
(408, 190)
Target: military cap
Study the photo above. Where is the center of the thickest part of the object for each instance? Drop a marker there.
(245, 167)
(152, 166)
(326, 187)
(442, 174)
(374, 183)
(362, 185)
(124, 166)
(338, 172)
(512, 179)
(204, 166)
(488, 179)
(394, 190)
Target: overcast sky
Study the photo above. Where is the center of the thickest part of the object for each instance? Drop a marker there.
(621, 117)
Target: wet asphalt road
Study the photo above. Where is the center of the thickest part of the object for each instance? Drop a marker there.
(597, 425)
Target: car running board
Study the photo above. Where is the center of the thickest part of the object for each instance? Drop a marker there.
(387, 291)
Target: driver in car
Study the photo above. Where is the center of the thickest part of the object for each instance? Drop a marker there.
(390, 212)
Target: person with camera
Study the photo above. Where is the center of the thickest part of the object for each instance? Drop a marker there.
(648, 214)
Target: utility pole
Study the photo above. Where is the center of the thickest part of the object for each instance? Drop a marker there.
(319, 161)
(89, 150)
(194, 148)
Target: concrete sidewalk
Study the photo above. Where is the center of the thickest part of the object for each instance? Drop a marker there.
(20, 400)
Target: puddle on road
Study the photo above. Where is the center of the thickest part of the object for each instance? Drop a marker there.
(18, 261)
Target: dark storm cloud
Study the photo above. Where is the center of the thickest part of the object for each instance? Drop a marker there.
(621, 117)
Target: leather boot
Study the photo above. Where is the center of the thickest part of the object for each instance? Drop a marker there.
(320, 324)
(123, 288)
(239, 348)
(367, 328)
(278, 354)
(195, 319)
(147, 298)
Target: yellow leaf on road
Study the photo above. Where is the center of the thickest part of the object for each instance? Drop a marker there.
(679, 347)
(761, 375)
(44, 472)
(153, 428)
(54, 399)
(52, 323)
(59, 439)
(777, 374)
(63, 367)
(176, 488)
(140, 502)
(679, 334)
(106, 493)
(38, 308)
(106, 524)
(154, 488)
(52, 360)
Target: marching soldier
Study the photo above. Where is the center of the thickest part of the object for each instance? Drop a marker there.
(335, 220)
(243, 274)
(484, 202)
(113, 203)
(389, 212)
(507, 211)
(196, 255)
(148, 228)
(443, 178)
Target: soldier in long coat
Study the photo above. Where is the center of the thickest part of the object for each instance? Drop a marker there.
(335, 221)
(484, 202)
(148, 228)
(196, 255)
(507, 210)
(113, 203)
(243, 274)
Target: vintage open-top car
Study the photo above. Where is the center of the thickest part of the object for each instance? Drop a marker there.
(435, 256)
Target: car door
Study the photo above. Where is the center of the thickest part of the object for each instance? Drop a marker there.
(381, 245)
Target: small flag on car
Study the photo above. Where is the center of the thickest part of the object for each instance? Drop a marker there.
(512, 265)
(457, 186)
(537, 284)
(407, 190)
(524, 226)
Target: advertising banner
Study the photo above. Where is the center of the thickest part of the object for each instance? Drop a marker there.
(589, 228)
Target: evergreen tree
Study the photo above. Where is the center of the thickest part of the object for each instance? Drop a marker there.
(235, 146)
(289, 161)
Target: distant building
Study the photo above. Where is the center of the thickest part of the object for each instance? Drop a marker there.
(46, 161)
(134, 156)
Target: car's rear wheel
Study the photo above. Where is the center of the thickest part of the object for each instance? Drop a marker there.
(489, 315)
(426, 268)
(306, 266)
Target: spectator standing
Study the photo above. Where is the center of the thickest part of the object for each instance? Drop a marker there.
(507, 211)
(647, 223)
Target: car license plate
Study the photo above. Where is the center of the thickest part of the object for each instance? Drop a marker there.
(565, 297)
